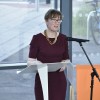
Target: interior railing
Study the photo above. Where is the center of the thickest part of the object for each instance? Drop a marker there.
(13, 66)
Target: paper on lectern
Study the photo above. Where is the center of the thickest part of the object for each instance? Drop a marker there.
(55, 66)
(51, 67)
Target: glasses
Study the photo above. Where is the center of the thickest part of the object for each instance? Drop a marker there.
(56, 20)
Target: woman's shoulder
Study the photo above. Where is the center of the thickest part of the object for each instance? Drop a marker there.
(62, 35)
(35, 38)
(37, 35)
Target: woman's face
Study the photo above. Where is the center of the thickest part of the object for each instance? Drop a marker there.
(53, 24)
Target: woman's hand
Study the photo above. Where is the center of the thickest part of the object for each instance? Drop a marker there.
(32, 61)
(64, 67)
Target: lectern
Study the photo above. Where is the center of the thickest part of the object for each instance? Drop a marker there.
(43, 70)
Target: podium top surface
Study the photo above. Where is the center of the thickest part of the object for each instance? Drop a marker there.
(50, 66)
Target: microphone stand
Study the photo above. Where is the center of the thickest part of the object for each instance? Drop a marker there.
(93, 73)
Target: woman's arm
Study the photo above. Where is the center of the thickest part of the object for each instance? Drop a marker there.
(32, 61)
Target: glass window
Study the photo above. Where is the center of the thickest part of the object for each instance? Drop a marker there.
(86, 25)
(19, 21)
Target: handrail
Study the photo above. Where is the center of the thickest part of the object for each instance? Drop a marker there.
(13, 66)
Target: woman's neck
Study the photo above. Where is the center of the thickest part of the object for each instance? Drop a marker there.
(51, 34)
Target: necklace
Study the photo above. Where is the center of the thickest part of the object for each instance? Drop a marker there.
(45, 33)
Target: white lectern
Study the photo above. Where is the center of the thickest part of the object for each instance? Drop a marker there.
(43, 70)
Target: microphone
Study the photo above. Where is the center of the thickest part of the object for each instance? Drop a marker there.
(77, 40)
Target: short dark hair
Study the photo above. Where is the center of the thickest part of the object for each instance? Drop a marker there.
(52, 13)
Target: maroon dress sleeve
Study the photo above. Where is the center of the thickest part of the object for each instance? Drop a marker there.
(33, 51)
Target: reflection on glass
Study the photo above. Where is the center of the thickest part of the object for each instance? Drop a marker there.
(19, 21)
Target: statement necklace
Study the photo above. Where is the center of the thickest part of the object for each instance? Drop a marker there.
(45, 33)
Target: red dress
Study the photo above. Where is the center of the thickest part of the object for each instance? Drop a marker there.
(47, 53)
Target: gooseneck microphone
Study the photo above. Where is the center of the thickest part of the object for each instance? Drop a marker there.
(77, 39)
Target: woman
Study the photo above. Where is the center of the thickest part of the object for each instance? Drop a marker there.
(48, 47)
